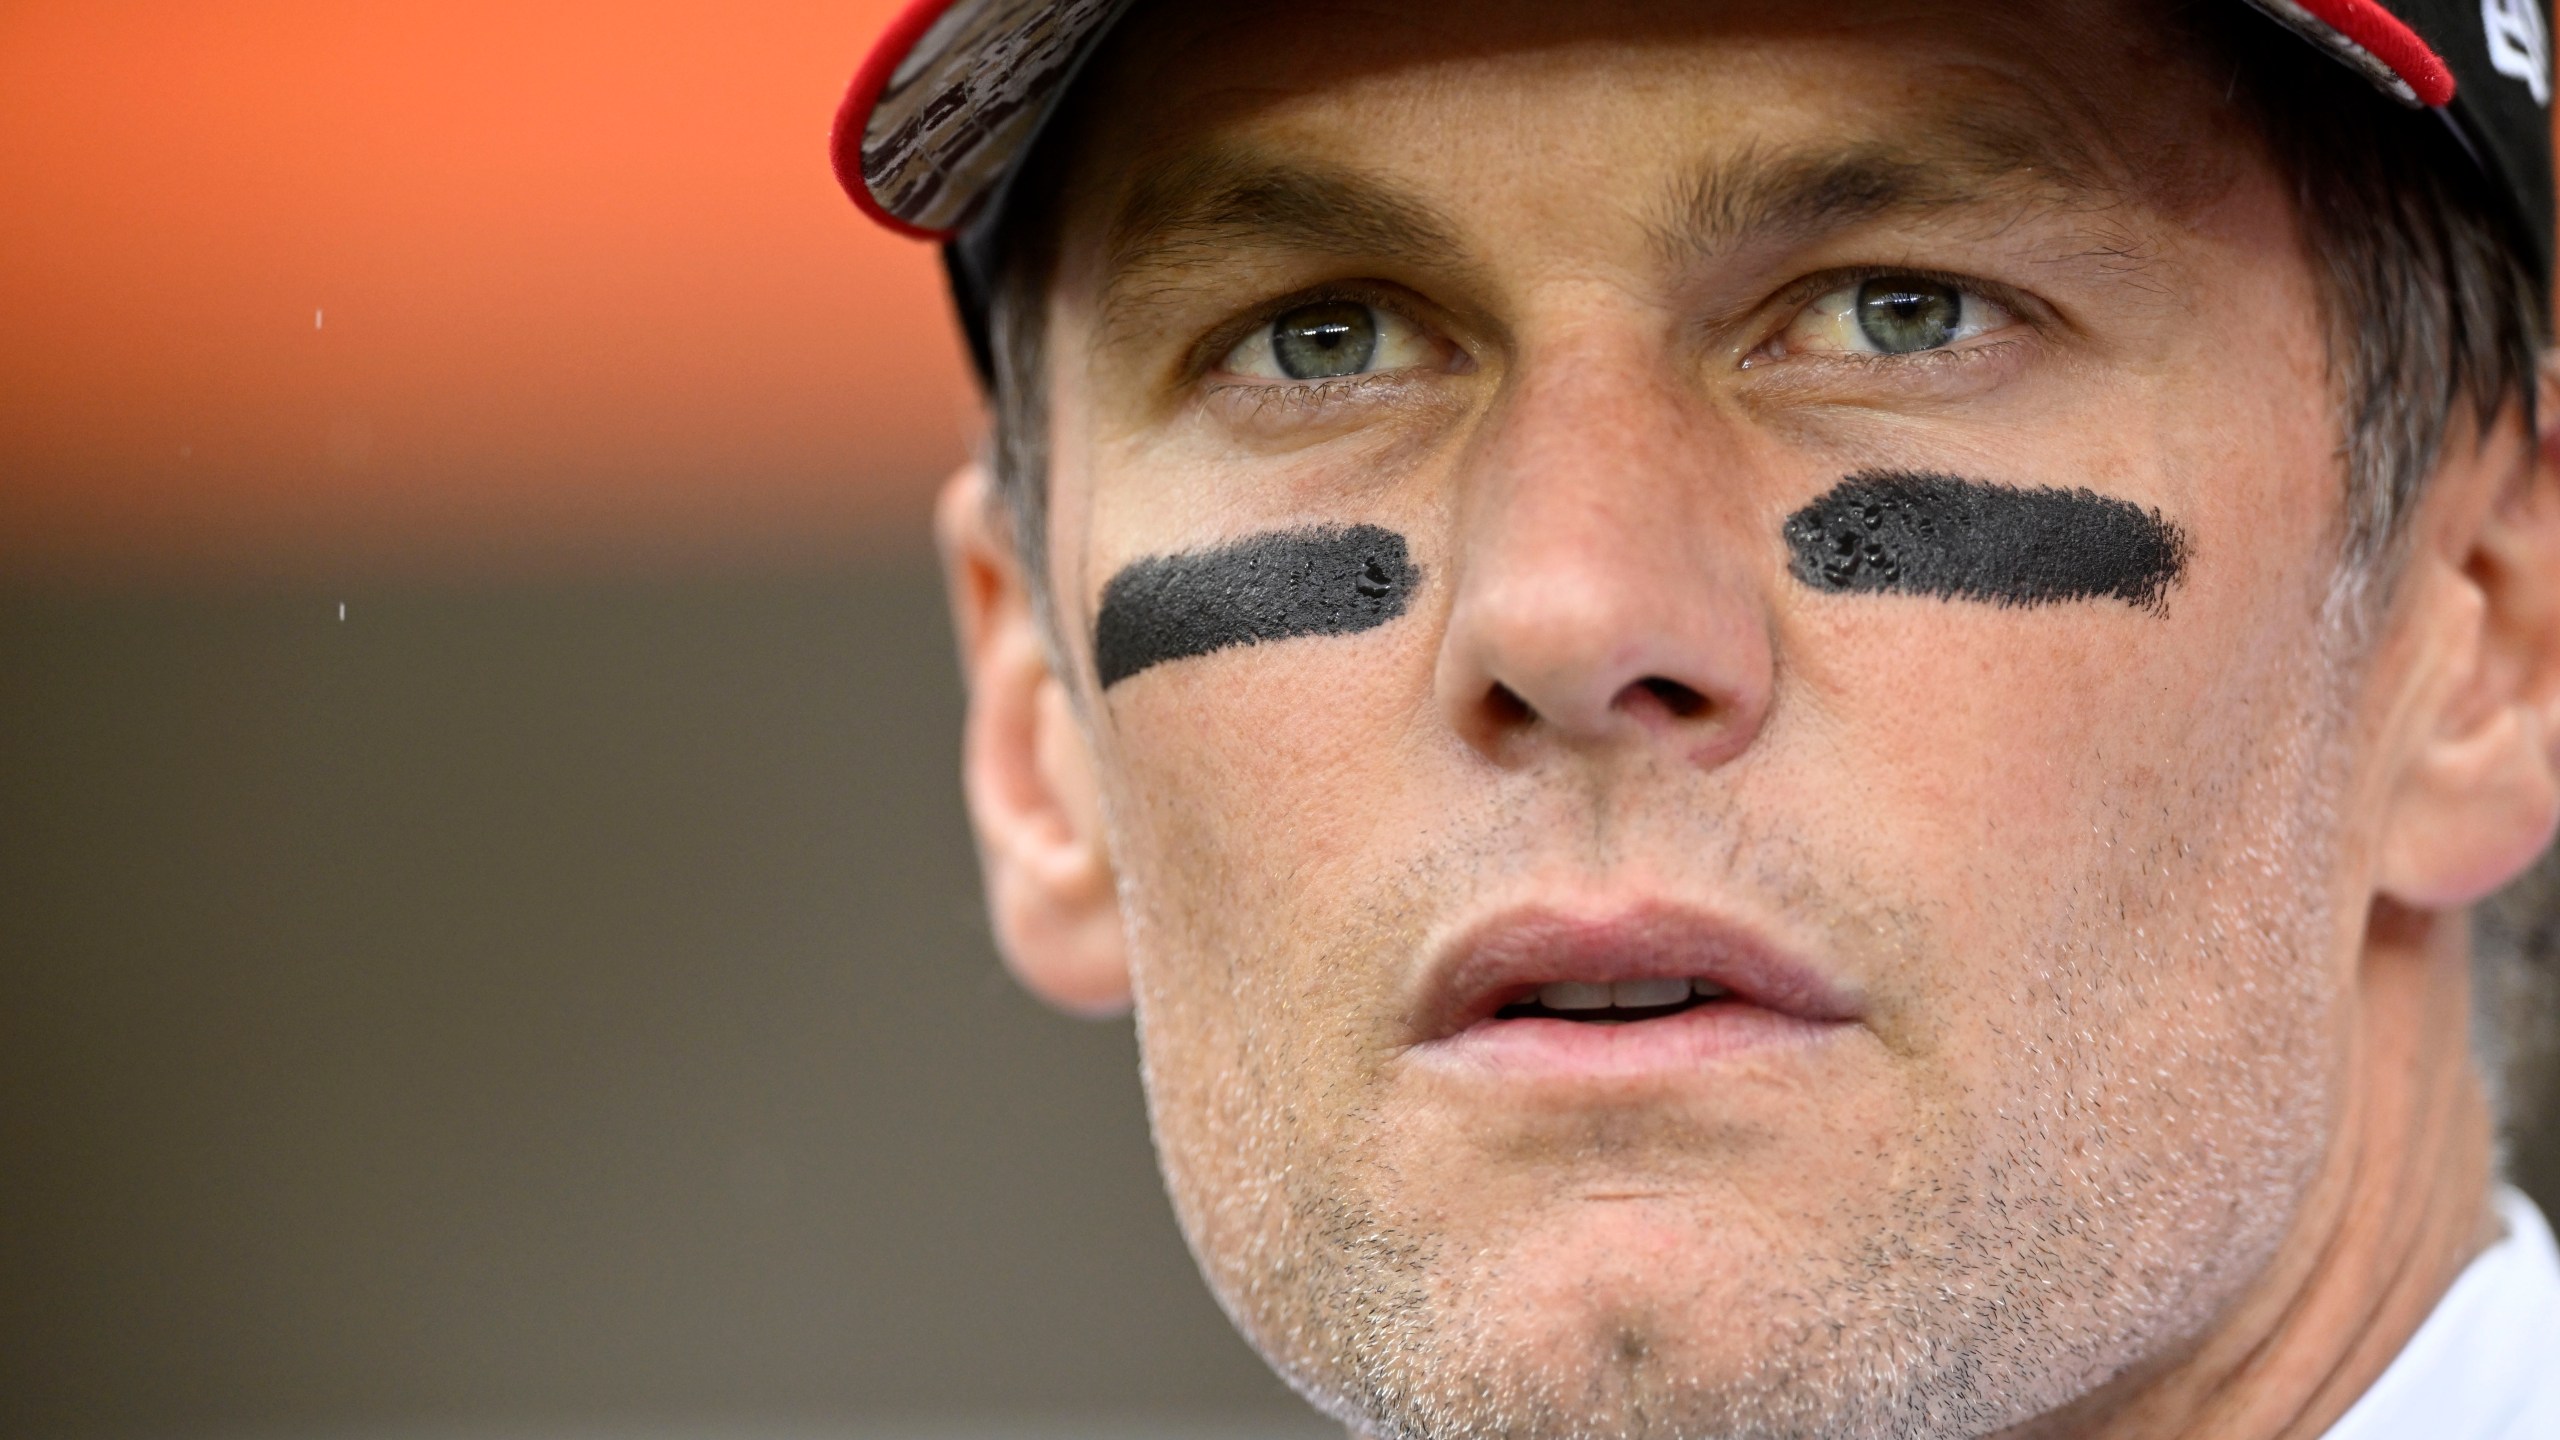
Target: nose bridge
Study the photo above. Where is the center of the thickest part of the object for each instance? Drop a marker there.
(1603, 594)
(1594, 444)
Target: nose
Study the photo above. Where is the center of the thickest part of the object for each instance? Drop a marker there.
(1607, 591)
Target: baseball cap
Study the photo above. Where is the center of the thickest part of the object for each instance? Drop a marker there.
(939, 118)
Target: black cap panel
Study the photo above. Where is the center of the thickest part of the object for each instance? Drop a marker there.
(2500, 54)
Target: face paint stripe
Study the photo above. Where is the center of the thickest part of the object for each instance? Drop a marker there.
(1911, 533)
(1329, 581)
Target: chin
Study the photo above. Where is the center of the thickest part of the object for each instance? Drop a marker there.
(1580, 1317)
(1665, 1282)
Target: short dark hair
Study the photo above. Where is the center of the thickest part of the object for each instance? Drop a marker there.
(2435, 304)
(2433, 297)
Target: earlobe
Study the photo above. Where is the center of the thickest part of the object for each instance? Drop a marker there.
(2479, 799)
(1028, 771)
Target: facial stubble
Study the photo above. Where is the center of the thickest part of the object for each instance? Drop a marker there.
(2129, 1174)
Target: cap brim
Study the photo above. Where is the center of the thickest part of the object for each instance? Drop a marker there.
(956, 90)
(951, 97)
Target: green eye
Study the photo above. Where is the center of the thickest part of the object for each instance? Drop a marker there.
(1901, 314)
(1335, 339)
(1891, 316)
(1325, 341)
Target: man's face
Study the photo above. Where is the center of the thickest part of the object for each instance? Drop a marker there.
(2017, 919)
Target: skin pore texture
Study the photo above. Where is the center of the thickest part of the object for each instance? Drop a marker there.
(2079, 1041)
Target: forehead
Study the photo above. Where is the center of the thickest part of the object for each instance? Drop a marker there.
(1537, 102)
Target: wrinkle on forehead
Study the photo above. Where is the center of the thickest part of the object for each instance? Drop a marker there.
(1965, 157)
(1218, 200)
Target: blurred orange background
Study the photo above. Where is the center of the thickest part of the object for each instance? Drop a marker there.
(300, 288)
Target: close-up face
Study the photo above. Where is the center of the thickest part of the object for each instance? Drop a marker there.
(1710, 644)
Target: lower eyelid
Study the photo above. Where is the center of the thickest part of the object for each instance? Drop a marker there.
(1809, 377)
(1326, 390)
(1298, 406)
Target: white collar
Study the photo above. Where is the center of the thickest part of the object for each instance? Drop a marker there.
(2486, 1365)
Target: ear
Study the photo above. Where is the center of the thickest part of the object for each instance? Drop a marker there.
(2479, 795)
(1027, 771)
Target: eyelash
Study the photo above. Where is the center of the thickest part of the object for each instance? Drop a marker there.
(1313, 396)
(1217, 344)
(1259, 399)
(1791, 300)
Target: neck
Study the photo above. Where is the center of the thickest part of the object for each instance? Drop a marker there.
(2399, 1208)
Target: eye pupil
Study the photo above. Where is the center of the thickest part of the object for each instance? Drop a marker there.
(1902, 314)
(1325, 341)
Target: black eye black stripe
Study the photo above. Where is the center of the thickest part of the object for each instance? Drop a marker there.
(1327, 581)
(1911, 533)
(1878, 532)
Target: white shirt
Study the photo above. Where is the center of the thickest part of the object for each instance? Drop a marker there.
(2486, 1365)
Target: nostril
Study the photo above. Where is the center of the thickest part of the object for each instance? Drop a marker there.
(1507, 708)
(1678, 699)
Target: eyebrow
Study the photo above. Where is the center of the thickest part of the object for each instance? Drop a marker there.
(1216, 200)
(1223, 196)
(1968, 162)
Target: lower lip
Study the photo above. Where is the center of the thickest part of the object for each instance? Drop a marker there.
(1696, 1038)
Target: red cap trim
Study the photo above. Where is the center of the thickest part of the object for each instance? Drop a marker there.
(855, 117)
(2365, 22)
(2382, 36)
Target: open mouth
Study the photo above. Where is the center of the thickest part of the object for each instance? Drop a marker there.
(1619, 1002)
(1609, 991)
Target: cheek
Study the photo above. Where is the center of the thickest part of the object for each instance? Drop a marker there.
(1258, 797)
(1255, 763)
(1255, 792)
(2125, 893)
(2101, 820)
(2010, 755)
(2017, 757)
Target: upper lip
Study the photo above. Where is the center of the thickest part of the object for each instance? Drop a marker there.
(1507, 956)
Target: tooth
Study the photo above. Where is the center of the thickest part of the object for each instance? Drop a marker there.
(1647, 994)
(1573, 995)
(1708, 990)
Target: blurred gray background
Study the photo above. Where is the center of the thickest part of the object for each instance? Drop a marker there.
(554, 1009)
